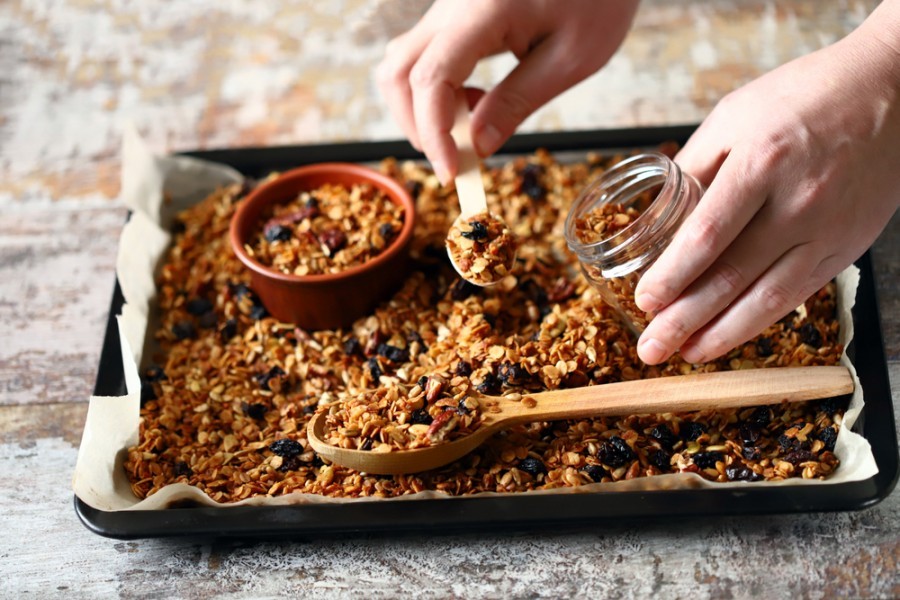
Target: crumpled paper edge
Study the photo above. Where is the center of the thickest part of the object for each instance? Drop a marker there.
(112, 422)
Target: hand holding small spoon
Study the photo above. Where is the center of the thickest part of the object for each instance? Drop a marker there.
(727, 389)
(481, 247)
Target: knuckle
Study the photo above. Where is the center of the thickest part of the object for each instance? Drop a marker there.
(705, 234)
(713, 345)
(775, 298)
(514, 106)
(423, 75)
(728, 279)
(673, 328)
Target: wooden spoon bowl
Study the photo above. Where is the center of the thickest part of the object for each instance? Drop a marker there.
(727, 389)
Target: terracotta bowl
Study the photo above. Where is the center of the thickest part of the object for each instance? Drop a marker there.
(330, 300)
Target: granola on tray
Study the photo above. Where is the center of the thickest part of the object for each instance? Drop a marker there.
(225, 405)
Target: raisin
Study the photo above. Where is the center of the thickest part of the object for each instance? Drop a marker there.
(181, 469)
(367, 444)
(595, 472)
(413, 187)
(374, 369)
(258, 311)
(751, 453)
(490, 385)
(708, 460)
(764, 346)
(183, 330)
(489, 318)
(333, 239)
(795, 457)
(512, 374)
(786, 443)
(536, 293)
(311, 202)
(198, 306)
(461, 408)
(741, 473)
(532, 466)
(289, 464)
(256, 411)
(286, 448)
(208, 320)
(810, 335)
(761, 417)
(239, 290)
(661, 460)
(393, 353)
(463, 369)
(229, 330)
(462, 289)
(691, 430)
(531, 183)
(278, 233)
(662, 434)
(832, 405)
(828, 437)
(478, 233)
(386, 231)
(615, 452)
(264, 378)
(420, 417)
(575, 379)
(423, 381)
(413, 336)
(352, 346)
(749, 434)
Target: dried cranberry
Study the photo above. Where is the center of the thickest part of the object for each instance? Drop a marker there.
(562, 290)
(662, 434)
(615, 452)
(741, 473)
(420, 417)
(691, 430)
(393, 353)
(490, 385)
(531, 184)
(764, 346)
(575, 379)
(532, 466)
(708, 460)
(828, 437)
(809, 334)
(661, 460)
(183, 330)
(286, 448)
(333, 239)
(478, 233)
(462, 289)
(595, 472)
(278, 233)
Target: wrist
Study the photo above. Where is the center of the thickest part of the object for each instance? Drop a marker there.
(876, 43)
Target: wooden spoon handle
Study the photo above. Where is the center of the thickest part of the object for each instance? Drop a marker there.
(469, 186)
(727, 389)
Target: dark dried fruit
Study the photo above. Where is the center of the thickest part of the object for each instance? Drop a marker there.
(148, 393)
(795, 457)
(575, 379)
(751, 453)
(463, 369)
(367, 444)
(764, 346)
(413, 187)
(531, 184)
(256, 411)
(420, 417)
(278, 233)
(615, 452)
(423, 381)
(828, 437)
(258, 311)
(289, 464)
(490, 385)
(662, 434)
(393, 353)
(708, 460)
(352, 346)
(264, 379)
(239, 290)
(691, 430)
(198, 306)
(181, 469)
(491, 319)
(833, 405)
(512, 374)
(208, 320)
(461, 408)
(183, 330)
(741, 473)
(177, 227)
(413, 336)
(761, 417)
(478, 233)
(661, 460)
(595, 472)
(562, 290)
(229, 330)
(374, 369)
(532, 466)
(333, 240)
(749, 434)
(809, 334)
(386, 231)
(286, 448)
(462, 289)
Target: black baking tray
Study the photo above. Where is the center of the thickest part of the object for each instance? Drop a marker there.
(516, 511)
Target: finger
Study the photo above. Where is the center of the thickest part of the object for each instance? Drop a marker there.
(392, 77)
(444, 65)
(789, 282)
(743, 262)
(732, 200)
(705, 151)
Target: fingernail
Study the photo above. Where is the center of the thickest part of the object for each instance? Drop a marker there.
(651, 351)
(648, 302)
(488, 140)
(692, 354)
(441, 171)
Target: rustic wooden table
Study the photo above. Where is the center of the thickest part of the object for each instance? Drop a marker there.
(211, 74)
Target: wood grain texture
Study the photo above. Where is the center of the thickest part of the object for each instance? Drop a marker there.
(212, 74)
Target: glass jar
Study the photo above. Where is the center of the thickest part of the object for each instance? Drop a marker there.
(623, 220)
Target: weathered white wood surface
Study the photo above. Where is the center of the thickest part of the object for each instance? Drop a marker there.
(210, 74)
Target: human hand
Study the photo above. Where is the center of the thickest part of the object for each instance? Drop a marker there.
(557, 43)
(802, 172)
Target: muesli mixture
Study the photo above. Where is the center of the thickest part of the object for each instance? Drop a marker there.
(482, 247)
(226, 403)
(326, 230)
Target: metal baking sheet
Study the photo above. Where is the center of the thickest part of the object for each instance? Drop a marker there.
(515, 511)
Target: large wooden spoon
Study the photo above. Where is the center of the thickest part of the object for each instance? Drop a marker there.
(728, 389)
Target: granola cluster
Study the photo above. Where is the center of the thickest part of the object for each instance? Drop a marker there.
(326, 230)
(482, 247)
(226, 402)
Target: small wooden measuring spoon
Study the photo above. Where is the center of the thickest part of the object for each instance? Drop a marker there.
(469, 186)
(727, 389)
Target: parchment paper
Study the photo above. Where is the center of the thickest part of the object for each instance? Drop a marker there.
(112, 422)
